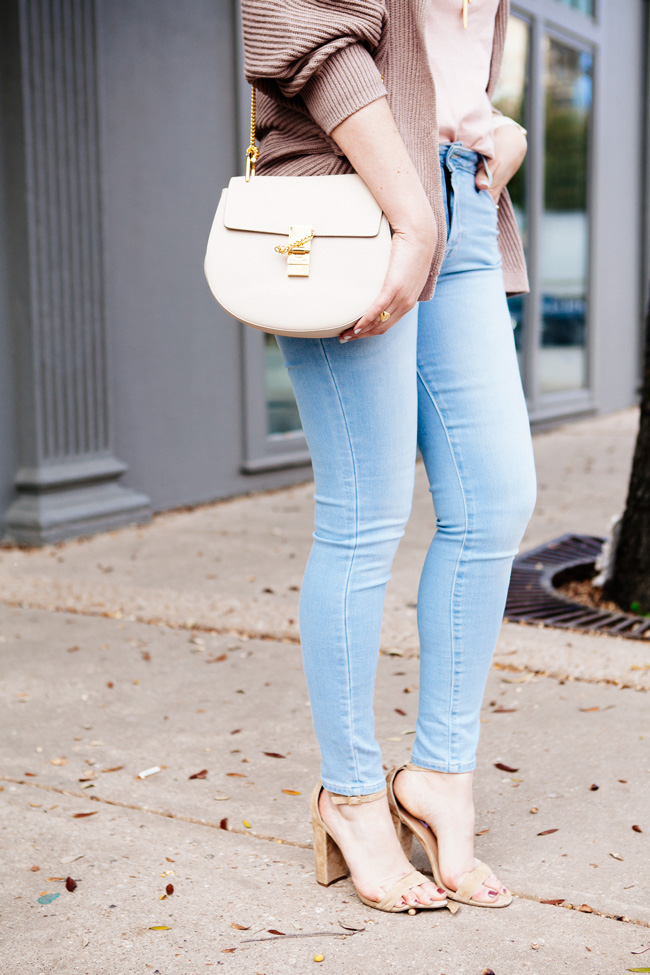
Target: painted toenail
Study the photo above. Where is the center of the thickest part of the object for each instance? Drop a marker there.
(441, 890)
(492, 893)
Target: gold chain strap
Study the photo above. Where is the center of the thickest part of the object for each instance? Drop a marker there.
(296, 247)
(252, 152)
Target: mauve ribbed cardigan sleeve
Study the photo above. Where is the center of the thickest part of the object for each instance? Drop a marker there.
(314, 52)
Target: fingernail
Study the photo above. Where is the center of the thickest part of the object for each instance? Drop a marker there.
(344, 338)
(484, 183)
(356, 331)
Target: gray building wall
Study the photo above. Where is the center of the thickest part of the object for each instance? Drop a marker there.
(183, 403)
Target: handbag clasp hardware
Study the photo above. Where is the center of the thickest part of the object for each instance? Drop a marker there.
(298, 250)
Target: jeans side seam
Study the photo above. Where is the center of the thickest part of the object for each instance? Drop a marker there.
(354, 552)
(452, 627)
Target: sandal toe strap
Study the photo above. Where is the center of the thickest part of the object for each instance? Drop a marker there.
(394, 893)
(472, 881)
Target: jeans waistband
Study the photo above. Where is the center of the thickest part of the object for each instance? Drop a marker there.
(454, 155)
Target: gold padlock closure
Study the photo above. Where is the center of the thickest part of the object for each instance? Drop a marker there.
(298, 250)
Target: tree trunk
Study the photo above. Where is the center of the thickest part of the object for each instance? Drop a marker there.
(629, 584)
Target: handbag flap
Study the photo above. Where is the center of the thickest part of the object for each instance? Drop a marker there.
(334, 206)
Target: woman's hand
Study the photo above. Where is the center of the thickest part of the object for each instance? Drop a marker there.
(510, 147)
(370, 140)
(410, 260)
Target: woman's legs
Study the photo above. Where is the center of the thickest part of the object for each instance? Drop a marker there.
(358, 406)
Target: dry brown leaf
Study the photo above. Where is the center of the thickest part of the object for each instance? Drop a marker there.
(203, 774)
(115, 768)
(505, 768)
(593, 787)
(70, 884)
(224, 823)
(547, 832)
(275, 931)
(240, 927)
(169, 889)
(236, 775)
(637, 829)
(83, 815)
(554, 900)
(291, 792)
(586, 909)
(399, 711)
(217, 660)
(274, 754)
(597, 708)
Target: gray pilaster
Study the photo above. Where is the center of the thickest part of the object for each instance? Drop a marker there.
(67, 479)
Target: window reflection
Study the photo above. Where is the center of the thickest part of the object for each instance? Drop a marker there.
(511, 99)
(585, 6)
(281, 410)
(564, 243)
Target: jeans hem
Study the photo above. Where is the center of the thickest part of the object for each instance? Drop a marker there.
(354, 790)
(445, 766)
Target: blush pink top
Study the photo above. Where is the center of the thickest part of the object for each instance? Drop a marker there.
(460, 63)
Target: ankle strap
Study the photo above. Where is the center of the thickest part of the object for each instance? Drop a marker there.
(356, 800)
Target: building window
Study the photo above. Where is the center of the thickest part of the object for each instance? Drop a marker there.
(564, 243)
(281, 410)
(584, 6)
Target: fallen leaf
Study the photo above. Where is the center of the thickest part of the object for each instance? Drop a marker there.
(217, 660)
(505, 768)
(169, 889)
(236, 775)
(399, 711)
(34, 869)
(246, 823)
(224, 823)
(31, 775)
(36, 805)
(274, 754)
(51, 879)
(159, 927)
(115, 768)
(236, 731)
(169, 860)
(593, 787)
(71, 859)
(597, 708)
(291, 792)
(482, 832)
(616, 856)
(70, 884)
(554, 900)
(637, 829)
(319, 957)
(547, 832)
(274, 931)
(586, 909)
(638, 969)
(351, 927)
(47, 897)
(227, 951)
(83, 815)
(240, 927)
(640, 951)
(534, 810)
(504, 710)
(203, 774)
(146, 655)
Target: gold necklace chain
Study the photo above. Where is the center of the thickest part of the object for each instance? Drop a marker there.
(466, 4)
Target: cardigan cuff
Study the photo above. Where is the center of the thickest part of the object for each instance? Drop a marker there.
(347, 81)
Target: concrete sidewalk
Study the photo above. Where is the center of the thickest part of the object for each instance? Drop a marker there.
(174, 646)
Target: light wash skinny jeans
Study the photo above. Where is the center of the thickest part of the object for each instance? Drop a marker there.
(444, 377)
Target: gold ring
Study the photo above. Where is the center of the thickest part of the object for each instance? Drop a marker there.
(384, 316)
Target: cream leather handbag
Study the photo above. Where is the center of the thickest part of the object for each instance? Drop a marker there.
(296, 255)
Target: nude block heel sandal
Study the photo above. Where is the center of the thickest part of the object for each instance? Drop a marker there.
(471, 881)
(331, 866)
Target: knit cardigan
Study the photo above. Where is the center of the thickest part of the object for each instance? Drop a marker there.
(315, 63)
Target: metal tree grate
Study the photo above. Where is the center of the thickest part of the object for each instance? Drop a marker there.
(533, 596)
